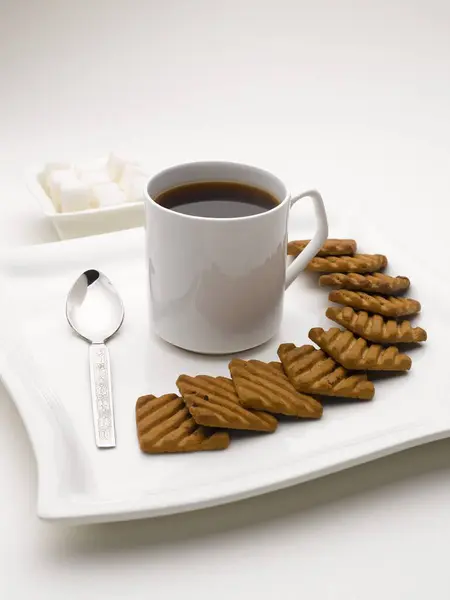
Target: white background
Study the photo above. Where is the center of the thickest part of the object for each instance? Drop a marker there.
(351, 97)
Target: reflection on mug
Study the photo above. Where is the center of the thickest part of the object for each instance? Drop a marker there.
(242, 303)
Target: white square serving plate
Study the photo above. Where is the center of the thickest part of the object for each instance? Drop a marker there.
(45, 368)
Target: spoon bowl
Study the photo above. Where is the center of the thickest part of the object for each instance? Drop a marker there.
(94, 309)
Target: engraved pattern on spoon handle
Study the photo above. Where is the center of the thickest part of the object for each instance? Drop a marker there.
(102, 399)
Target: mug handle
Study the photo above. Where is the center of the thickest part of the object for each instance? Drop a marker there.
(300, 262)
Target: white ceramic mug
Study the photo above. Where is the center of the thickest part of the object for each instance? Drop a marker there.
(217, 285)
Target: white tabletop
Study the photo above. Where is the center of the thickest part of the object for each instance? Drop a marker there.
(350, 97)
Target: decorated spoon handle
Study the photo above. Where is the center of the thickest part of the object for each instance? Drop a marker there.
(102, 400)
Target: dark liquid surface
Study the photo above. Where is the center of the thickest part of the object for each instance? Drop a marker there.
(218, 200)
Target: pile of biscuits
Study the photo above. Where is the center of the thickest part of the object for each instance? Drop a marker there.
(373, 314)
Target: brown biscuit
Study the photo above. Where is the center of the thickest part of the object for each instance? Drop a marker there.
(277, 366)
(265, 387)
(212, 401)
(376, 328)
(388, 306)
(314, 372)
(372, 282)
(359, 263)
(358, 354)
(330, 248)
(165, 425)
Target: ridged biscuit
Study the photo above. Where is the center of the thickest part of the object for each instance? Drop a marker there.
(263, 386)
(371, 282)
(358, 354)
(330, 248)
(165, 425)
(388, 306)
(376, 328)
(313, 372)
(212, 401)
(359, 263)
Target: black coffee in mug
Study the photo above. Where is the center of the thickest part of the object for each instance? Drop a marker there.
(217, 200)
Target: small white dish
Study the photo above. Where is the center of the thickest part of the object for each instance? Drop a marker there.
(87, 222)
(42, 363)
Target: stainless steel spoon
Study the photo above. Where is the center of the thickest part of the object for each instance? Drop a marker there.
(95, 311)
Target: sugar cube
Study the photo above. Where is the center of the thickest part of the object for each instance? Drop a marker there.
(92, 177)
(134, 190)
(133, 182)
(107, 194)
(74, 196)
(58, 178)
(131, 171)
(115, 166)
(50, 168)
